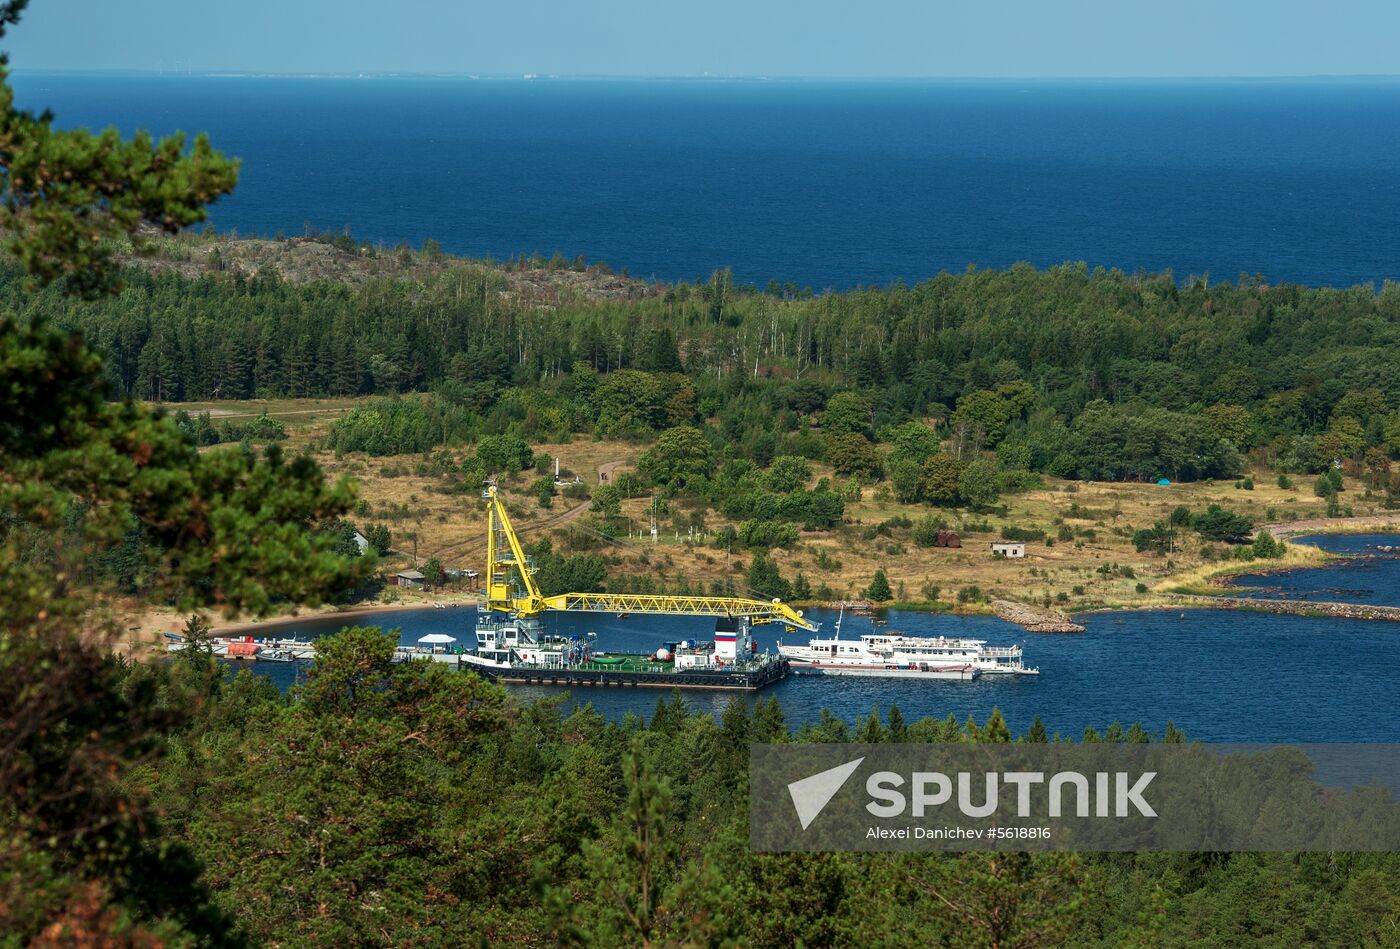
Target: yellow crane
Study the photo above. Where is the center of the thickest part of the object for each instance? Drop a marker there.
(511, 587)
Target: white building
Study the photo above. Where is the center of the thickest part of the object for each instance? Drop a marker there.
(1004, 548)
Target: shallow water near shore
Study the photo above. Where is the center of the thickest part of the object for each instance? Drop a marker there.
(1220, 675)
(1372, 576)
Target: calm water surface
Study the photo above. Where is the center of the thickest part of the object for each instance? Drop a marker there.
(825, 184)
(1372, 576)
(1219, 675)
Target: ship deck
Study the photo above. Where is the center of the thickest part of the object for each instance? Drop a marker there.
(642, 672)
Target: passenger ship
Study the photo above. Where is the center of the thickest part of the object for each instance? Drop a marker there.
(894, 655)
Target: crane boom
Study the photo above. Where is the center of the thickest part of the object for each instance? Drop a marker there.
(499, 595)
(758, 611)
(511, 587)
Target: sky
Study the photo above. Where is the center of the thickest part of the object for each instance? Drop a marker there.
(815, 38)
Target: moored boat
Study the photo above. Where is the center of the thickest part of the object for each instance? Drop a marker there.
(517, 650)
(249, 648)
(894, 655)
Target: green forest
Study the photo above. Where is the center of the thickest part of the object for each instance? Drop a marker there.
(1080, 373)
(384, 804)
(173, 803)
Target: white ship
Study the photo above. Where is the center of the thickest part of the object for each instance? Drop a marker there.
(501, 645)
(894, 655)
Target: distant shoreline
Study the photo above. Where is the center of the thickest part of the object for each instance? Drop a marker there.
(528, 76)
(1364, 524)
(354, 612)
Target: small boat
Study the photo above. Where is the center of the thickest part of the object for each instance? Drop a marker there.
(623, 615)
(276, 655)
(609, 660)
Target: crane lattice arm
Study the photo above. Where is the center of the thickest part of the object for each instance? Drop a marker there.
(511, 587)
(758, 611)
(499, 595)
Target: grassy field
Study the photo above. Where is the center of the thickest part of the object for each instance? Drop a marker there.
(1098, 568)
(306, 419)
(432, 515)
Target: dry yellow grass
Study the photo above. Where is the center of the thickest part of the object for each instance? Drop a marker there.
(845, 560)
(1204, 577)
(451, 526)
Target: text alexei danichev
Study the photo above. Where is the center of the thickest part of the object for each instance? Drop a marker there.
(958, 833)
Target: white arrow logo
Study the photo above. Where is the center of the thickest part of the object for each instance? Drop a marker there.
(812, 794)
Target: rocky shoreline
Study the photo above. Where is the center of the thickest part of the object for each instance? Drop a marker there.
(1384, 523)
(1034, 619)
(1295, 607)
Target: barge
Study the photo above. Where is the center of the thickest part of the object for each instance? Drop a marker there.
(517, 651)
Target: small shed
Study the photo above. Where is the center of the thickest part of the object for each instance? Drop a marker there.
(1006, 548)
(412, 579)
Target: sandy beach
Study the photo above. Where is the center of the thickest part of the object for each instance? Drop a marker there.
(143, 631)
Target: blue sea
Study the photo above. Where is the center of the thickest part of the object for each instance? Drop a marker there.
(1220, 675)
(1371, 575)
(822, 184)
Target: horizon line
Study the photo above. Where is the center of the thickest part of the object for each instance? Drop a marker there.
(176, 73)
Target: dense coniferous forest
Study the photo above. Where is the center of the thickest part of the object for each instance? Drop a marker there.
(1079, 373)
(383, 804)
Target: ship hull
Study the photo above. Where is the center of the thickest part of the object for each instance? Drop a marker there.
(957, 674)
(654, 675)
